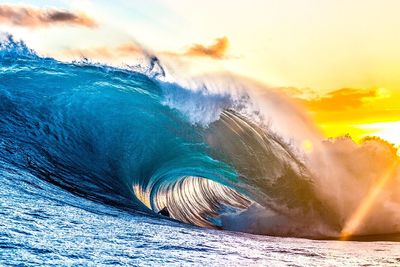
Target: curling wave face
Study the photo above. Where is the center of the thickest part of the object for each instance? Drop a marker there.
(128, 139)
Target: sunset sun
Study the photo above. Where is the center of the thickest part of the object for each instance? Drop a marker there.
(389, 131)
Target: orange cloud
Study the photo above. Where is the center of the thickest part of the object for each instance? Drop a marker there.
(105, 52)
(342, 99)
(32, 17)
(216, 50)
(354, 106)
(343, 111)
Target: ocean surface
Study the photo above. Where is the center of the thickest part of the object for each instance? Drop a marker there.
(43, 225)
(90, 153)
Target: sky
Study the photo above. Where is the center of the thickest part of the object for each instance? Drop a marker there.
(340, 59)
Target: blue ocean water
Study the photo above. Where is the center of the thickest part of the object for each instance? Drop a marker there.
(90, 154)
(42, 225)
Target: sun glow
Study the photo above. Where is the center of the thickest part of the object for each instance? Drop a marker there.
(358, 217)
(389, 131)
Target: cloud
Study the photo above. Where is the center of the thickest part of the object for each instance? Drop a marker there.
(216, 50)
(347, 110)
(342, 99)
(106, 52)
(28, 16)
(355, 105)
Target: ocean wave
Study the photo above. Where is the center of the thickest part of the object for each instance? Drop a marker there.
(226, 159)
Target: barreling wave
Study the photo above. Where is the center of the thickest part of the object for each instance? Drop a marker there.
(131, 140)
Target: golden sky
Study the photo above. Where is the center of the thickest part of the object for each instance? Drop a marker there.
(358, 112)
(340, 59)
